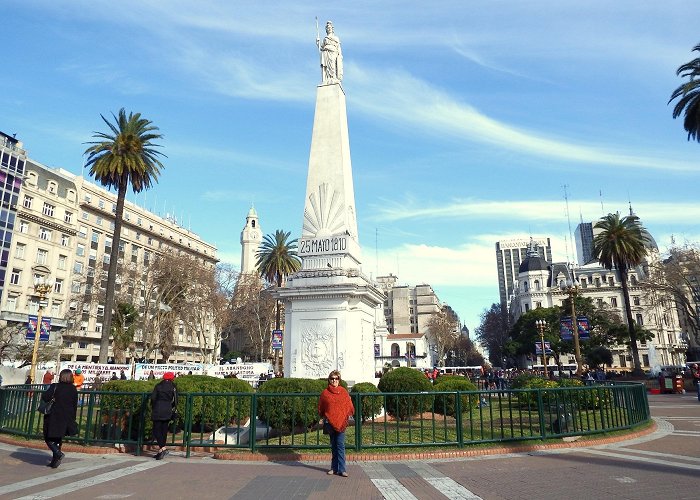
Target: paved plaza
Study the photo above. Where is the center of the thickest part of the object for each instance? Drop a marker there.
(664, 464)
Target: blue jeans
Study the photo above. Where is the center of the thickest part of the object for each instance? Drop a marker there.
(337, 451)
(697, 386)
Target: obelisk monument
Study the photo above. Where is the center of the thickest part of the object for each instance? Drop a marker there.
(329, 304)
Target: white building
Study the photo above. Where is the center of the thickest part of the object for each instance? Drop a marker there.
(64, 231)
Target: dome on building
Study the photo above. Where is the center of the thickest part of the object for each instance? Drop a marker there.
(533, 261)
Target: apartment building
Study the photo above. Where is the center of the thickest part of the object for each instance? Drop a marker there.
(63, 231)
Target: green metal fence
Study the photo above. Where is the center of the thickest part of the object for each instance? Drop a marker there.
(254, 421)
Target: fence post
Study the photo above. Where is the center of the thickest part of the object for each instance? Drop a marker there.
(540, 410)
(89, 423)
(252, 432)
(458, 419)
(187, 425)
(358, 421)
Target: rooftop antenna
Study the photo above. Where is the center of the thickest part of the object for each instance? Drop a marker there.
(568, 219)
(602, 208)
(376, 251)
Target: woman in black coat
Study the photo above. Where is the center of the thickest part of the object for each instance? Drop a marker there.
(61, 421)
(163, 402)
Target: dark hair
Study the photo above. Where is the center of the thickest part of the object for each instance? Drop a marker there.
(334, 373)
(65, 377)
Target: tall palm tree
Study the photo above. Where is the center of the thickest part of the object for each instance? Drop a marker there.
(276, 259)
(621, 245)
(125, 156)
(688, 96)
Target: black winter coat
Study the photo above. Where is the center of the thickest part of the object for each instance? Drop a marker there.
(61, 421)
(163, 400)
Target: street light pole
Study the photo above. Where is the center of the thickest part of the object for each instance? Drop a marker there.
(42, 287)
(541, 324)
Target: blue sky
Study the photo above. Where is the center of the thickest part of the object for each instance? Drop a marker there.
(466, 118)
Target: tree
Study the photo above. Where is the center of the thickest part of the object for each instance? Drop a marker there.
(15, 348)
(442, 332)
(124, 325)
(493, 332)
(688, 96)
(599, 356)
(123, 157)
(276, 259)
(675, 283)
(465, 354)
(253, 310)
(621, 245)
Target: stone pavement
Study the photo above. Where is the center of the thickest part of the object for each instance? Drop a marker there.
(663, 464)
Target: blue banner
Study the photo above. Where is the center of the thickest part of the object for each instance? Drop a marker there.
(277, 339)
(584, 328)
(566, 329)
(547, 347)
(45, 328)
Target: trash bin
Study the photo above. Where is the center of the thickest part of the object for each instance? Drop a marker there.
(666, 384)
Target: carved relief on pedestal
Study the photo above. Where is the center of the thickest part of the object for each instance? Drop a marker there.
(318, 343)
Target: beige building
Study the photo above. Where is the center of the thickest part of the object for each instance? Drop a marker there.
(64, 232)
(407, 310)
(542, 284)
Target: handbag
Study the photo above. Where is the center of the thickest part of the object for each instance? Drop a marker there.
(45, 407)
(327, 427)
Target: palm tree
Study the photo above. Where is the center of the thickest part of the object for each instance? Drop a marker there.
(621, 244)
(689, 94)
(276, 259)
(123, 157)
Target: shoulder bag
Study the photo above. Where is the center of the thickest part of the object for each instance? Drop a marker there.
(45, 407)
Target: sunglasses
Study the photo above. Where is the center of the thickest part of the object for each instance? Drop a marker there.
(334, 378)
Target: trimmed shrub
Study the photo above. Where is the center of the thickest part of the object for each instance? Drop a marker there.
(229, 406)
(406, 379)
(285, 413)
(529, 397)
(371, 405)
(446, 404)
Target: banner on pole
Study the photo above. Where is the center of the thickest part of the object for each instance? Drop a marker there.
(566, 329)
(584, 328)
(45, 328)
(547, 347)
(277, 339)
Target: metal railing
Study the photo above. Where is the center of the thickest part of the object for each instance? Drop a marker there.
(258, 421)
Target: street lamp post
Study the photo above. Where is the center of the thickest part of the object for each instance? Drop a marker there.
(541, 325)
(42, 287)
(572, 289)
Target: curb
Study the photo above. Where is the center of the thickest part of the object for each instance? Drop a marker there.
(67, 446)
(452, 453)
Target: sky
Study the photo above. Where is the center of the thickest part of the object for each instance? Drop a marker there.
(469, 121)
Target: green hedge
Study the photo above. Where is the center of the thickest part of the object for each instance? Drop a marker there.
(286, 413)
(406, 379)
(371, 405)
(446, 404)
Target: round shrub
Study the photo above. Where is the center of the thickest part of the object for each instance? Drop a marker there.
(214, 401)
(297, 407)
(446, 404)
(371, 406)
(533, 382)
(408, 380)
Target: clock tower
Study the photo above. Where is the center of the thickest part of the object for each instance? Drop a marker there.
(250, 242)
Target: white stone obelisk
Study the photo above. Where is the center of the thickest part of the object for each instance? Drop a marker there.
(330, 305)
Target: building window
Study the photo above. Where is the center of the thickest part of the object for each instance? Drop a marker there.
(622, 360)
(68, 217)
(611, 281)
(58, 286)
(82, 231)
(645, 359)
(538, 305)
(65, 240)
(613, 301)
(98, 220)
(395, 352)
(101, 203)
(62, 259)
(78, 267)
(11, 303)
(636, 301)
(537, 285)
(56, 309)
(527, 307)
(42, 256)
(48, 209)
(86, 198)
(15, 276)
(19, 250)
(75, 288)
(80, 250)
(45, 234)
(640, 320)
(27, 202)
(98, 327)
(23, 227)
(597, 282)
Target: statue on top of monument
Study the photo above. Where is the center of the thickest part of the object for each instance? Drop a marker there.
(331, 56)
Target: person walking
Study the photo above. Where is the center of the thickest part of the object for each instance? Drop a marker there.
(335, 406)
(60, 421)
(695, 372)
(163, 403)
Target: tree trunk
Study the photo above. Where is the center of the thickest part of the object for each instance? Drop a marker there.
(637, 370)
(112, 273)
